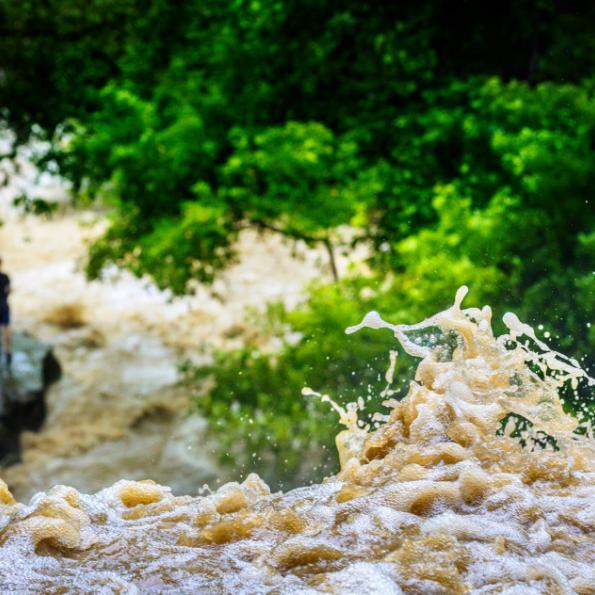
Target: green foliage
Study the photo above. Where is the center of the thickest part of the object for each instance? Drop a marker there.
(199, 238)
(297, 177)
(271, 109)
(455, 153)
(256, 405)
(55, 56)
(494, 222)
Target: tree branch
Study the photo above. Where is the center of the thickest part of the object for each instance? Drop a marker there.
(331, 255)
(296, 235)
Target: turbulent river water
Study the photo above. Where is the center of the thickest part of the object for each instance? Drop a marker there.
(118, 411)
(435, 499)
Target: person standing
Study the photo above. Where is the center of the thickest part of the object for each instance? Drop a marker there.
(5, 315)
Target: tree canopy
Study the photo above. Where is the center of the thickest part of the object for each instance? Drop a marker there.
(455, 139)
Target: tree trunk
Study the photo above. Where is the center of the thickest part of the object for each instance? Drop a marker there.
(331, 256)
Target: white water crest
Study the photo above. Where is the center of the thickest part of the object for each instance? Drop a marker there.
(436, 500)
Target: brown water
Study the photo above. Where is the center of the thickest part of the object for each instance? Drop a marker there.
(117, 411)
(433, 501)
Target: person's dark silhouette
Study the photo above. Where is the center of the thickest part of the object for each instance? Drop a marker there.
(5, 315)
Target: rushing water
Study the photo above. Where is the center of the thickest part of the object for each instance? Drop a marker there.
(117, 411)
(435, 500)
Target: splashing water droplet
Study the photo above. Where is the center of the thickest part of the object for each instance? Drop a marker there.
(371, 320)
(439, 471)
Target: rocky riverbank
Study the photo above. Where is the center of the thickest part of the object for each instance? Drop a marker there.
(23, 389)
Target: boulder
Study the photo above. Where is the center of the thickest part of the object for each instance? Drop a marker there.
(22, 392)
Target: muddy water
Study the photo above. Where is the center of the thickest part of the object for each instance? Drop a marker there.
(434, 500)
(117, 412)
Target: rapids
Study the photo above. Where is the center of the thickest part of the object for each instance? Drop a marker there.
(118, 411)
(437, 499)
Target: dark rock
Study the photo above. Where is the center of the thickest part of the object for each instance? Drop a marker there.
(22, 392)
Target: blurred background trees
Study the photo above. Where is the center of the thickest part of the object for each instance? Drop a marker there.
(454, 139)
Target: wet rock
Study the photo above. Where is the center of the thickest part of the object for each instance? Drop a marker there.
(22, 392)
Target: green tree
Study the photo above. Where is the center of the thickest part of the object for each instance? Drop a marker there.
(455, 139)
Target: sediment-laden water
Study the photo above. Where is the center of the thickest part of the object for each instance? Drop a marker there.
(434, 500)
(117, 411)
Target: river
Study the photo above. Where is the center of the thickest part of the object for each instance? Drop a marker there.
(118, 410)
(434, 501)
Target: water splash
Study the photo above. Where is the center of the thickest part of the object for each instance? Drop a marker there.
(435, 500)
